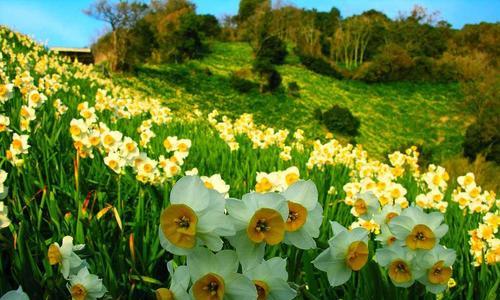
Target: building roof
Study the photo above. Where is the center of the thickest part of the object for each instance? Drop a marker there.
(65, 49)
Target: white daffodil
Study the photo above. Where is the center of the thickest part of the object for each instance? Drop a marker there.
(385, 237)
(19, 144)
(4, 123)
(192, 172)
(85, 286)
(347, 252)
(399, 263)
(387, 213)
(6, 92)
(178, 285)
(258, 219)
(195, 217)
(215, 276)
(15, 295)
(4, 220)
(65, 256)
(436, 264)
(3, 189)
(215, 182)
(270, 279)
(305, 214)
(115, 162)
(289, 176)
(418, 230)
(365, 205)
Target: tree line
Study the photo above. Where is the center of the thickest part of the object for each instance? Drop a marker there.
(370, 47)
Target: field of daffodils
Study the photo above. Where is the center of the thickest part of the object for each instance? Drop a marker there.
(109, 194)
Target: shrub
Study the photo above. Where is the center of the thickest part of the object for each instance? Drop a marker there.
(293, 88)
(272, 50)
(273, 80)
(189, 38)
(391, 64)
(240, 83)
(340, 119)
(483, 138)
(320, 66)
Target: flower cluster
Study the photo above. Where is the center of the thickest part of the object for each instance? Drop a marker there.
(470, 196)
(434, 184)
(276, 181)
(412, 252)
(262, 137)
(122, 151)
(199, 217)
(484, 241)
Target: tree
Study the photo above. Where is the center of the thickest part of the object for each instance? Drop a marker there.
(248, 8)
(272, 50)
(121, 17)
(188, 38)
(209, 25)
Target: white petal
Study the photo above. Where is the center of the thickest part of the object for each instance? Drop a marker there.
(249, 253)
(300, 239)
(302, 192)
(239, 287)
(227, 262)
(200, 262)
(279, 289)
(191, 191)
(239, 212)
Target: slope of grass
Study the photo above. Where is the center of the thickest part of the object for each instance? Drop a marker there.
(391, 115)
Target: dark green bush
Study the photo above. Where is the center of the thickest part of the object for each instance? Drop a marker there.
(272, 51)
(241, 84)
(293, 88)
(320, 66)
(391, 64)
(340, 119)
(483, 138)
(273, 80)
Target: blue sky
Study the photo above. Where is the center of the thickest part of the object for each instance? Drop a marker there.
(62, 23)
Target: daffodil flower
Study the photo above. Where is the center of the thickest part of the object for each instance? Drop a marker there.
(4, 220)
(347, 252)
(215, 276)
(3, 189)
(195, 217)
(178, 285)
(270, 279)
(387, 213)
(437, 266)
(399, 263)
(15, 295)
(258, 219)
(365, 205)
(418, 230)
(85, 286)
(65, 256)
(305, 214)
(386, 238)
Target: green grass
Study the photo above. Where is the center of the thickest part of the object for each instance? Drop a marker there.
(46, 199)
(391, 115)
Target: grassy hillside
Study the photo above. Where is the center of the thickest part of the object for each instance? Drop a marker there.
(391, 114)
